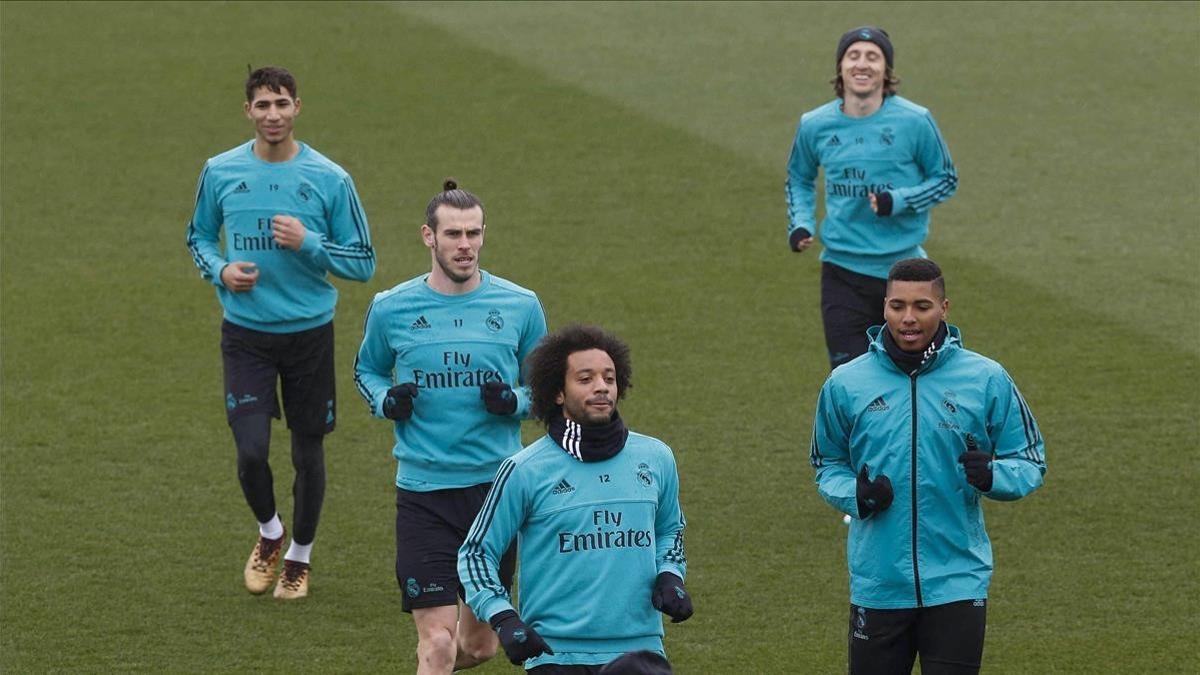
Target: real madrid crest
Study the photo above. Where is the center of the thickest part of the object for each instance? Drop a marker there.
(494, 321)
(644, 476)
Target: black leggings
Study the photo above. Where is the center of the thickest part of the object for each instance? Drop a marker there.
(252, 434)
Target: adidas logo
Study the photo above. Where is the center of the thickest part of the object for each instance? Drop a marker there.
(562, 488)
(878, 405)
(834, 141)
(241, 188)
(420, 323)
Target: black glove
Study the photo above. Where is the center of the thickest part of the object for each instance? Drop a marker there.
(398, 404)
(670, 598)
(978, 465)
(873, 496)
(795, 237)
(883, 203)
(520, 642)
(498, 397)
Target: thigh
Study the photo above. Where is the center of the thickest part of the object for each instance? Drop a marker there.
(850, 304)
(882, 641)
(433, 620)
(250, 372)
(427, 546)
(950, 637)
(307, 379)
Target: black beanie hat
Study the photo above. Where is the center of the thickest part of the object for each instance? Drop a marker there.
(872, 34)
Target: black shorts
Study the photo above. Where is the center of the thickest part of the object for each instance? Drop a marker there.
(850, 304)
(948, 637)
(303, 364)
(430, 528)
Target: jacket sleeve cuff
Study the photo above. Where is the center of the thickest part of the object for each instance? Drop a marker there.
(671, 568)
(523, 402)
(494, 607)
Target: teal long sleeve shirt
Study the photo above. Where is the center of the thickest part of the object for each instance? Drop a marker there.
(591, 537)
(449, 345)
(238, 194)
(898, 150)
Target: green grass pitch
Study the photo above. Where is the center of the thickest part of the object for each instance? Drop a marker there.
(631, 157)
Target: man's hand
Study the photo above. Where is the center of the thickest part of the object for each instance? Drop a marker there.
(288, 232)
(498, 397)
(881, 203)
(874, 496)
(800, 239)
(239, 277)
(520, 642)
(670, 597)
(398, 403)
(978, 465)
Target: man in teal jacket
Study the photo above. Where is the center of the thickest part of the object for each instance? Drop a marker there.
(907, 438)
(595, 508)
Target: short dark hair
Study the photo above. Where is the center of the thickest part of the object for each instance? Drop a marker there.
(451, 195)
(546, 367)
(918, 269)
(272, 77)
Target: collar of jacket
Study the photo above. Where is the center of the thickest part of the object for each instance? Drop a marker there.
(953, 343)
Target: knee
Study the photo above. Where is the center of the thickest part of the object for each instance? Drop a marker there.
(252, 435)
(436, 649)
(252, 454)
(479, 646)
(308, 453)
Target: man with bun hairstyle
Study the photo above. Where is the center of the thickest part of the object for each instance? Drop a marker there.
(908, 439)
(291, 217)
(595, 507)
(885, 166)
(440, 358)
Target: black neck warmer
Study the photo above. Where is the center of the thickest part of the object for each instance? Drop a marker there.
(909, 362)
(589, 444)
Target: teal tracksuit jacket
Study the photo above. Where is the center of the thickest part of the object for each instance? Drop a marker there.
(930, 547)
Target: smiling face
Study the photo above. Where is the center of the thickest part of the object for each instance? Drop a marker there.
(913, 311)
(589, 394)
(273, 113)
(862, 69)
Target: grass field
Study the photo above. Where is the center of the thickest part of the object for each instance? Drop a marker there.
(631, 157)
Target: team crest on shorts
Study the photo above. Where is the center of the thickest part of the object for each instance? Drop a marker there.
(412, 587)
(494, 322)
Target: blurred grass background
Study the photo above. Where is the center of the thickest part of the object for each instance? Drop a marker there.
(631, 157)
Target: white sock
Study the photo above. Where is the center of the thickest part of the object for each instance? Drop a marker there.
(298, 552)
(272, 529)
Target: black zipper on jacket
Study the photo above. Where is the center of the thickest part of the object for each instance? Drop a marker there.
(916, 569)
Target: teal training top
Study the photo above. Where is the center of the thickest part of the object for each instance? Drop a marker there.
(449, 345)
(591, 537)
(930, 546)
(240, 193)
(897, 150)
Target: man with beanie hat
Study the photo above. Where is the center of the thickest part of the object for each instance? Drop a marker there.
(886, 165)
